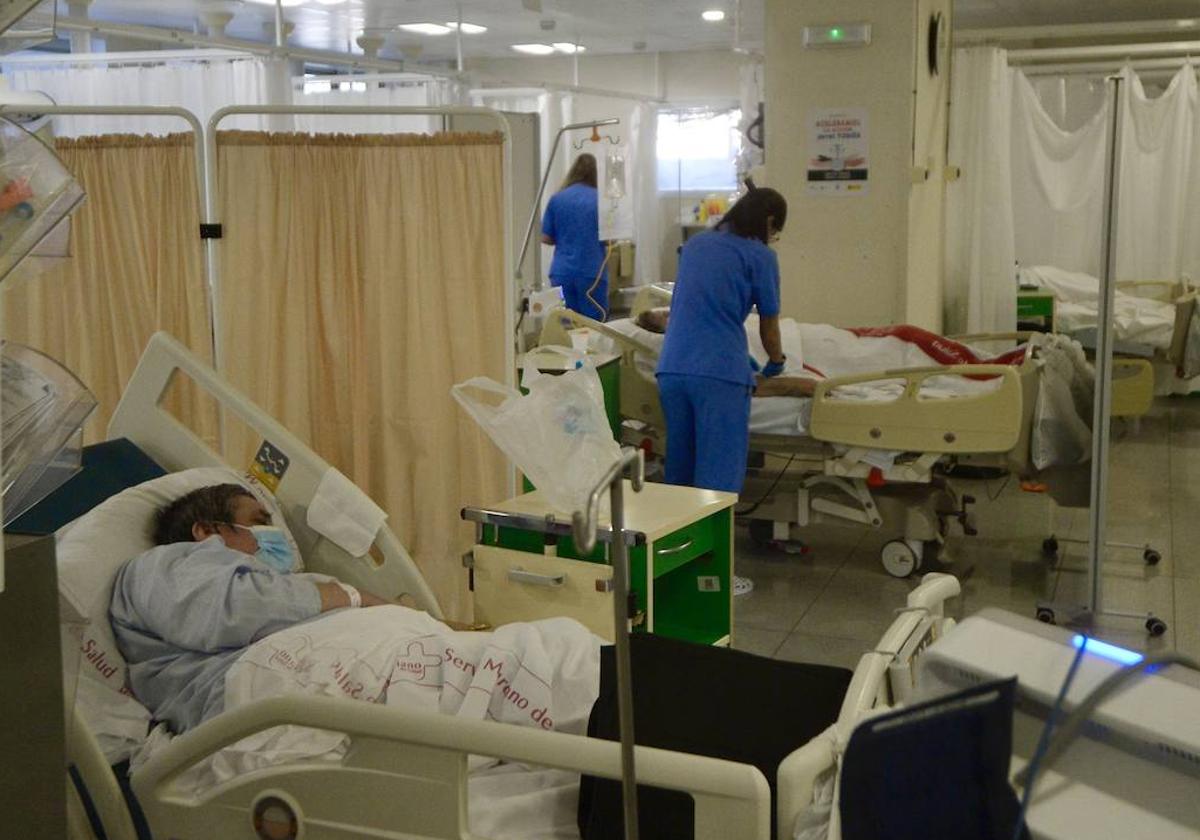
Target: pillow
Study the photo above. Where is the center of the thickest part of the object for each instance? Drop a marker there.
(94, 547)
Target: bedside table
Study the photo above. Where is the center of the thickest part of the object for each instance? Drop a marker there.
(525, 565)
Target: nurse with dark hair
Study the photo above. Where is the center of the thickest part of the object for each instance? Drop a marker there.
(704, 376)
(572, 226)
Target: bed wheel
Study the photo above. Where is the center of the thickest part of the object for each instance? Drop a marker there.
(1050, 547)
(1156, 627)
(1151, 556)
(1045, 615)
(899, 559)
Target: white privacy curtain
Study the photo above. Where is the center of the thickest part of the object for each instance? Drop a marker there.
(980, 246)
(1156, 147)
(199, 86)
(411, 94)
(1058, 185)
(643, 146)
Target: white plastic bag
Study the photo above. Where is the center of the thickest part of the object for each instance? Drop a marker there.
(1062, 433)
(557, 434)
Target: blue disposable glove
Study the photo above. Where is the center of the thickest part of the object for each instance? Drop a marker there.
(774, 368)
(754, 365)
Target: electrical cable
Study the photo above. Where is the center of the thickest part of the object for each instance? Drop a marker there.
(596, 282)
(770, 490)
(1043, 744)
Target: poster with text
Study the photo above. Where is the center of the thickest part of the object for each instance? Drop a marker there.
(837, 151)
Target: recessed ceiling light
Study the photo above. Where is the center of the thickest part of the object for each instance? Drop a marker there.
(568, 48)
(425, 28)
(534, 49)
(468, 28)
(713, 15)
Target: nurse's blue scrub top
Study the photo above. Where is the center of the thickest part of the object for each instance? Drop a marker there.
(572, 220)
(722, 276)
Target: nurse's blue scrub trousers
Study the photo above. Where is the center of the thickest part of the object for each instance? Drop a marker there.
(575, 296)
(708, 431)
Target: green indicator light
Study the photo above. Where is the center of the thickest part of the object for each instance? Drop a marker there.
(835, 34)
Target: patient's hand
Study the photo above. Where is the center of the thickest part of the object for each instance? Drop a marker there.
(784, 386)
(369, 599)
(460, 625)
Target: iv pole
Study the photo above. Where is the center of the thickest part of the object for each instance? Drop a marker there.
(584, 525)
(537, 202)
(1087, 614)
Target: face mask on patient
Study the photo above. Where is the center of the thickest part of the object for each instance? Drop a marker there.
(274, 549)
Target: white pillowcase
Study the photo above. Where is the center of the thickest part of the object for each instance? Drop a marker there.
(90, 552)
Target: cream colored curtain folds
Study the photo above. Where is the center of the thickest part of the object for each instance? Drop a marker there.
(135, 268)
(362, 276)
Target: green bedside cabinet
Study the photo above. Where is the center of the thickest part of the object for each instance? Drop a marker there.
(525, 566)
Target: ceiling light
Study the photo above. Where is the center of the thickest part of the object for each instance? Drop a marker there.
(534, 49)
(286, 3)
(568, 48)
(713, 15)
(425, 28)
(468, 28)
(331, 2)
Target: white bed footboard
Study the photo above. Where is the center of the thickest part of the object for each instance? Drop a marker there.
(406, 775)
(141, 418)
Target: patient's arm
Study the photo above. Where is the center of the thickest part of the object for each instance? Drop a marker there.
(768, 331)
(784, 386)
(333, 597)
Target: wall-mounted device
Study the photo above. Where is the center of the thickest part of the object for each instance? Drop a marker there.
(837, 35)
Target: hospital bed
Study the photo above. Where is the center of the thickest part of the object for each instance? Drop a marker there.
(1155, 319)
(874, 464)
(405, 774)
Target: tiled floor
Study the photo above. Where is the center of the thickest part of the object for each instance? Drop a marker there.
(831, 604)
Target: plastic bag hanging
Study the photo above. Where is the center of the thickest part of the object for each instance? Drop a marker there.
(557, 434)
(614, 194)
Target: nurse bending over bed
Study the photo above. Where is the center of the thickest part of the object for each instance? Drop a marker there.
(704, 376)
(219, 580)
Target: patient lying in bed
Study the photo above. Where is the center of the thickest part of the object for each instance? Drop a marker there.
(213, 618)
(655, 321)
(183, 611)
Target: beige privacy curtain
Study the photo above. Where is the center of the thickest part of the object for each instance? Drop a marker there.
(135, 268)
(361, 277)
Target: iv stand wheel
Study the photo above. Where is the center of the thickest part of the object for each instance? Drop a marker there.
(899, 558)
(1050, 547)
(1152, 557)
(1156, 627)
(1045, 615)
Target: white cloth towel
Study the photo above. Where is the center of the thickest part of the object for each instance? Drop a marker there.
(344, 514)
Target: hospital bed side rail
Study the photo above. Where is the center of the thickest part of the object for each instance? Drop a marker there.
(405, 775)
(986, 422)
(141, 417)
(868, 691)
(554, 332)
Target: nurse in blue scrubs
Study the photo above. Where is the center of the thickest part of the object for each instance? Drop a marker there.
(704, 375)
(572, 226)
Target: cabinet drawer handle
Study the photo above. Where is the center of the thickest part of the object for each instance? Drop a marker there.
(666, 552)
(534, 579)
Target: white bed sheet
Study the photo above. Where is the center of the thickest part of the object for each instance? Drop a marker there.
(406, 658)
(1136, 319)
(833, 352)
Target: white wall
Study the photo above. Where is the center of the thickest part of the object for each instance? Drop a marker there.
(846, 259)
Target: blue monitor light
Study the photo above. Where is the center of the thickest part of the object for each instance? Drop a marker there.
(1105, 650)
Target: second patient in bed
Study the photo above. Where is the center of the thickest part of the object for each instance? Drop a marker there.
(656, 320)
(219, 579)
